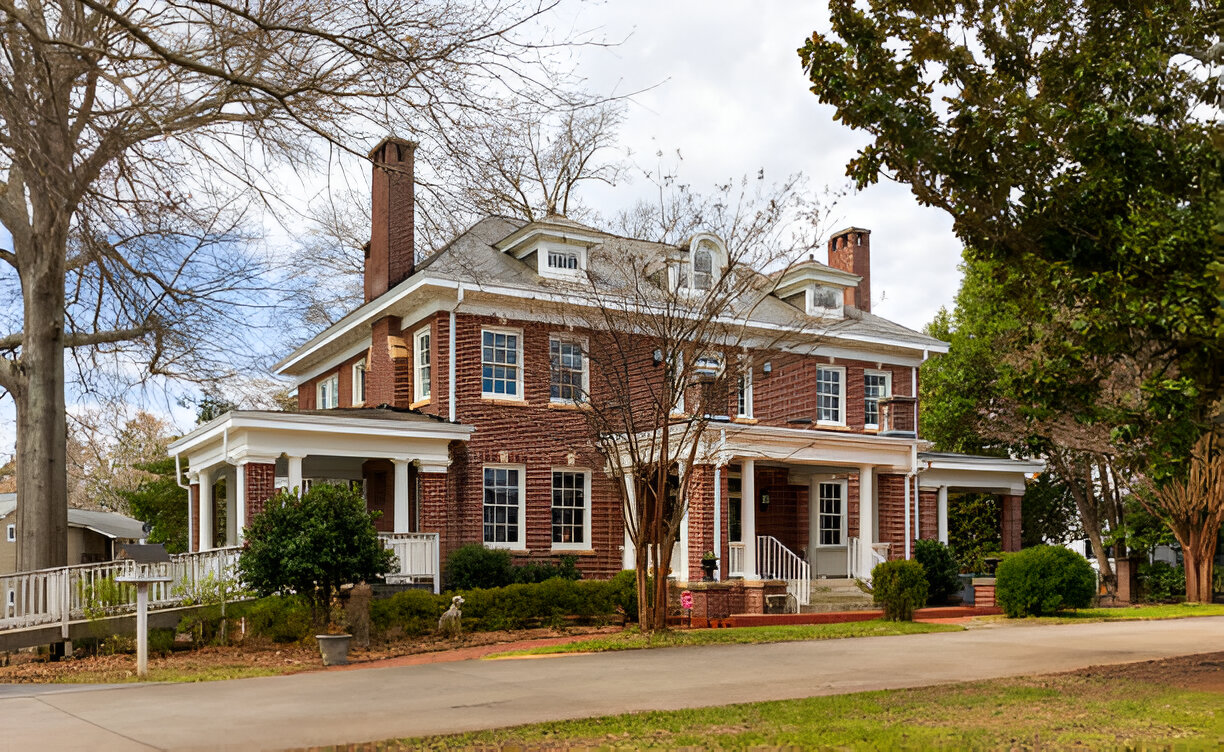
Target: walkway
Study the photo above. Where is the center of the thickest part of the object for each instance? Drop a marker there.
(332, 707)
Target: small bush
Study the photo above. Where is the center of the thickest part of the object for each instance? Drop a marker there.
(900, 587)
(161, 641)
(474, 566)
(624, 593)
(410, 612)
(279, 618)
(541, 571)
(1043, 580)
(942, 571)
(1160, 581)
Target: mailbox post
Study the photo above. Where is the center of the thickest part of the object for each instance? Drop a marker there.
(142, 577)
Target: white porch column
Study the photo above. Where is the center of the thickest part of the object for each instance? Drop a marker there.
(942, 514)
(401, 511)
(909, 531)
(867, 531)
(231, 502)
(748, 517)
(240, 499)
(717, 547)
(629, 559)
(294, 463)
(206, 509)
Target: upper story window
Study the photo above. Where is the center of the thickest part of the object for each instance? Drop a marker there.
(876, 386)
(567, 370)
(421, 363)
(831, 396)
(327, 393)
(743, 408)
(567, 260)
(359, 382)
(501, 356)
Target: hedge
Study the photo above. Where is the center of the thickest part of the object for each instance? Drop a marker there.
(1043, 580)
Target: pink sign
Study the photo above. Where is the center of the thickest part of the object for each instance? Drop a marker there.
(686, 600)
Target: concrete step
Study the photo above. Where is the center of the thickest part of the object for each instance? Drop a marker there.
(817, 607)
(838, 585)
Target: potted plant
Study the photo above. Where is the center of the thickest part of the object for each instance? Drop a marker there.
(311, 545)
(709, 562)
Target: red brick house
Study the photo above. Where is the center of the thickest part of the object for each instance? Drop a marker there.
(445, 397)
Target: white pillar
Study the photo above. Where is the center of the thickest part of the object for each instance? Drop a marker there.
(295, 473)
(867, 532)
(193, 478)
(142, 629)
(401, 512)
(909, 531)
(748, 517)
(942, 514)
(240, 501)
(717, 545)
(629, 559)
(206, 509)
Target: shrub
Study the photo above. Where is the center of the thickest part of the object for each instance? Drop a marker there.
(941, 569)
(900, 587)
(410, 612)
(1043, 580)
(279, 618)
(540, 571)
(312, 545)
(474, 566)
(1160, 581)
(624, 593)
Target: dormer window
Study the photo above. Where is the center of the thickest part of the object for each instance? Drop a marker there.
(567, 260)
(705, 260)
(703, 268)
(824, 300)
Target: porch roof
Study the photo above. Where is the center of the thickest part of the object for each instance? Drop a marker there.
(811, 446)
(976, 472)
(372, 433)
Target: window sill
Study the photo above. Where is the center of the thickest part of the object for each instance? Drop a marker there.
(832, 426)
(507, 401)
(510, 547)
(418, 403)
(574, 551)
(580, 406)
(746, 421)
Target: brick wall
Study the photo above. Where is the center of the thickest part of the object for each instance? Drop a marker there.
(380, 492)
(701, 517)
(928, 514)
(1010, 527)
(789, 391)
(194, 502)
(786, 518)
(891, 499)
(260, 486)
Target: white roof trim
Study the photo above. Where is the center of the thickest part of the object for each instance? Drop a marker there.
(316, 423)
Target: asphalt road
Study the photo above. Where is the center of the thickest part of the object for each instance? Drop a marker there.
(334, 707)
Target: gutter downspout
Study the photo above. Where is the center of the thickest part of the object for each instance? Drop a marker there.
(450, 398)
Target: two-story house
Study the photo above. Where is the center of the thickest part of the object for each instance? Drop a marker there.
(449, 397)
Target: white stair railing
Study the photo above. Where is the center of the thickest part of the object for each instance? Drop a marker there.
(419, 557)
(777, 562)
(879, 555)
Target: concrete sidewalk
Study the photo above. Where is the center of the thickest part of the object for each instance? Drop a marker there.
(380, 703)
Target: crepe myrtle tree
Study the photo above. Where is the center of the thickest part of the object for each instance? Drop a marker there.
(666, 335)
(135, 137)
(311, 545)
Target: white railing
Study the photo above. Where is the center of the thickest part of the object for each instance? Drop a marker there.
(777, 562)
(735, 559)
(879, 555)
(419, 557)
(64, 594)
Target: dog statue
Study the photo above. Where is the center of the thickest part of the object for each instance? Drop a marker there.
(449, 624)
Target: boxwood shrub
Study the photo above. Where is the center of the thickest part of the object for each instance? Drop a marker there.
(900, 587)
(1043, 580)
(942, 571)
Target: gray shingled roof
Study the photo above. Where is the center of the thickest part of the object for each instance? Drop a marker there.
(110, 524)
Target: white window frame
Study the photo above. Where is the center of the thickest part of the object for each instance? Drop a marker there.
(585, 545)
(743, 393)
(518, 382)
(887, 393)
(521, 543)
(331, 386)
(359, 385)
(678, 408)
(581, 342)
(837, 310)
(841, 397)
(843, 487)
(10, 533)
(422, 373)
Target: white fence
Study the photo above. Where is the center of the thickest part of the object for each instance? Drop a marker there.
(854, 567)
(777, 562)
(66, 594)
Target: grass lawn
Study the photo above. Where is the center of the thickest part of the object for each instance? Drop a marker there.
(1096, 710)
(631, 639)
(191, 674)
(1162, 611)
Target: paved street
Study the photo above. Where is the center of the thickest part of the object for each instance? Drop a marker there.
(362, 705)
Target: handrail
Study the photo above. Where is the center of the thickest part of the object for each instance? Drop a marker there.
(776, 561)
(879, 555)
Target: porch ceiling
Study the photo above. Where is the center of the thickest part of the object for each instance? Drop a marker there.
(797, 446)
(370, 433)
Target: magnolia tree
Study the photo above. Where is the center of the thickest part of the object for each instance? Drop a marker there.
(668, 338)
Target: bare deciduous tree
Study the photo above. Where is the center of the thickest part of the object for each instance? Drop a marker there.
(131, 138)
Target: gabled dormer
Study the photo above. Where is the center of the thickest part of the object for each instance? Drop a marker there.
(816, 289)
(554, 248)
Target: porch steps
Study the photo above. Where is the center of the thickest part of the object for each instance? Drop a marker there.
(838, 594)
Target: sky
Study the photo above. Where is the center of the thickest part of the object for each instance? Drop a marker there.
(724, 86)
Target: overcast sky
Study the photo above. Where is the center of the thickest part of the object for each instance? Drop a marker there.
(731, 96)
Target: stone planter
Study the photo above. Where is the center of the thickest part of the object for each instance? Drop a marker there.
(334, 648)
(708, 566)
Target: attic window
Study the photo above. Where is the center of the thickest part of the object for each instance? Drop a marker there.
(563, 260)
(703, 269)
(824, 301)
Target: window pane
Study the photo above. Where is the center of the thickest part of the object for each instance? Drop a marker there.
(828, 395)
(501, 500)
(568, 507)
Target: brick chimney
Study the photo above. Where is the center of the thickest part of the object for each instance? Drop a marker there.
(850, 251)
(390, 256)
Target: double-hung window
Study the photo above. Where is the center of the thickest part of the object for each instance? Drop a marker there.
(743, 406)
(831, 396)
(503, 506)
(327, 393)
(359, 382)
(832, 513)
(571, 520)
(567, 370)
(422, 369)
(876, 386)
(501, 357)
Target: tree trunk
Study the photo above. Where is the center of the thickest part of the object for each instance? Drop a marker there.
(42, 427)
